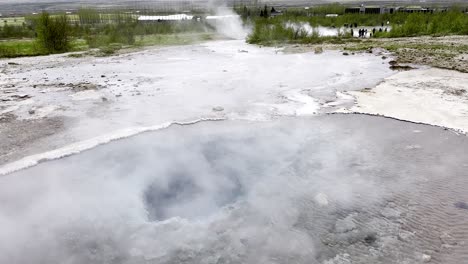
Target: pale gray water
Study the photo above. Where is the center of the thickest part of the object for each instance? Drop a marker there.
(326, 189)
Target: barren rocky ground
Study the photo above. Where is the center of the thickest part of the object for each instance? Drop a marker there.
(283, 177)
(96, 96)
(449, 52)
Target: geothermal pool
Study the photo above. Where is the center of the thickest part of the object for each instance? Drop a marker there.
(323, 189)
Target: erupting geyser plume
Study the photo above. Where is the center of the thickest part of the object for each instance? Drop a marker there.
(226, 21)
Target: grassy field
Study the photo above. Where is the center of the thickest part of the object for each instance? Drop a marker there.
(173, 39)
(19, 48)
(91, 29)
(276, 30)
(12, 21)
(29, 47)
(112, 30)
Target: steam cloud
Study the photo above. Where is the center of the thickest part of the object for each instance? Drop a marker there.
(227, 22)
(232, 192)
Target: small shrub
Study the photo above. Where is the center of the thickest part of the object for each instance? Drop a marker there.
(52, 33)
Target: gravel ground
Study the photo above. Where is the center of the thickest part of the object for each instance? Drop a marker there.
(450, 52)
(18, 136)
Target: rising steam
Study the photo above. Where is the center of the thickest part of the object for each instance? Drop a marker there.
(203, 194)
(226, 22)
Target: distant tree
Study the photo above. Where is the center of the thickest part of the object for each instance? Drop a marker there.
(53, 33)
(89, 16)
(261, 13)
(273, 10)
(245, 11)
(265, 11)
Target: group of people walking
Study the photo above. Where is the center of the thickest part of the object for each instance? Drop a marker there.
(362, 33)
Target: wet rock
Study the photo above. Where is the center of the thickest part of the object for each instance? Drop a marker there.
(461, 205)
(7, 117)
(448, 240)
(21, 96)
(321, 199)
(426, 258)
(104, 99)
(32, 111)
(345, 53)
(339, 259)
(218, 109)
(103, 76)
(318, 50)
(345, 225)
(243, 51)
(413, 147)
(384, 57)
(405, 236)
(390, 213)
(83, 86)
(13, 63)
(118, 95)
(392, 62)
(370, 238)
(401, 67)
(457, 92)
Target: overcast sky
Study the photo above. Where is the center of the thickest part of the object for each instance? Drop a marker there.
(111, 1)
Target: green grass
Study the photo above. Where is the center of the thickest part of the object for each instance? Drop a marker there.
(110, 31)
(172, 39)
(79, 45)
(449, 23)
(274, 30)
(29, 47)
(142, 41)
(19, 48)
(12, 21)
